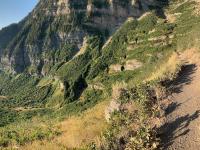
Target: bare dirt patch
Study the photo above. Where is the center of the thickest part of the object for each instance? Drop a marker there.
(171, 18)
(132, 64)
(129, 65)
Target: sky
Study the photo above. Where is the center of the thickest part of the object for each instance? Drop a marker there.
(12, 11)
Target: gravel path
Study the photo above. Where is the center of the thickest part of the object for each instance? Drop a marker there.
(182, 127)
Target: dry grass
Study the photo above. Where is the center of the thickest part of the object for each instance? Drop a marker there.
(132, 64)
(3, 97)
(191, 55)
(171, 18)
(197, 7)
(84, 129)
(167, 70)
(108, 42)
(144, 15)
(117, 88)
(115, 68)
(192, 40)
(77, 131)
(44, 82)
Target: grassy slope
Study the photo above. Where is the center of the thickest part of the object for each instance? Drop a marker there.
(77, 130)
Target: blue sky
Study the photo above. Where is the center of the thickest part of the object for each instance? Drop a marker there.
(12, 11)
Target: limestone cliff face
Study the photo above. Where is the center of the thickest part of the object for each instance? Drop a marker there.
(54, 31)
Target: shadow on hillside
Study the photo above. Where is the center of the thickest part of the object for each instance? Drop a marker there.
(184, 77)
(179, 126)
(159, 8)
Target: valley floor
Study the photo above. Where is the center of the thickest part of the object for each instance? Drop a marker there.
(182, 127)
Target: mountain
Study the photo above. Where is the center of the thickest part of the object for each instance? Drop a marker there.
(91, 74)
(63, 40)
(40, 41)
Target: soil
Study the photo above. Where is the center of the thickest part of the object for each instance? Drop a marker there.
(181, 130)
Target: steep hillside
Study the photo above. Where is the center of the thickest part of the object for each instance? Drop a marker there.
(41, 41)
(68, 56)
(60, 44)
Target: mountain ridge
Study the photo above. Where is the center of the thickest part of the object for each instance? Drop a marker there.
(64, 23)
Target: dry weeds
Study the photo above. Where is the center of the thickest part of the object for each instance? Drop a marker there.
(167, 70)
(77, 131)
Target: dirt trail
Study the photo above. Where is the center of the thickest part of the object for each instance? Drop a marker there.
(182, 127)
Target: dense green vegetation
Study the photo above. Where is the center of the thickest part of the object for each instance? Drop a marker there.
(21, 132)
(26, 95)
(7, 34)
